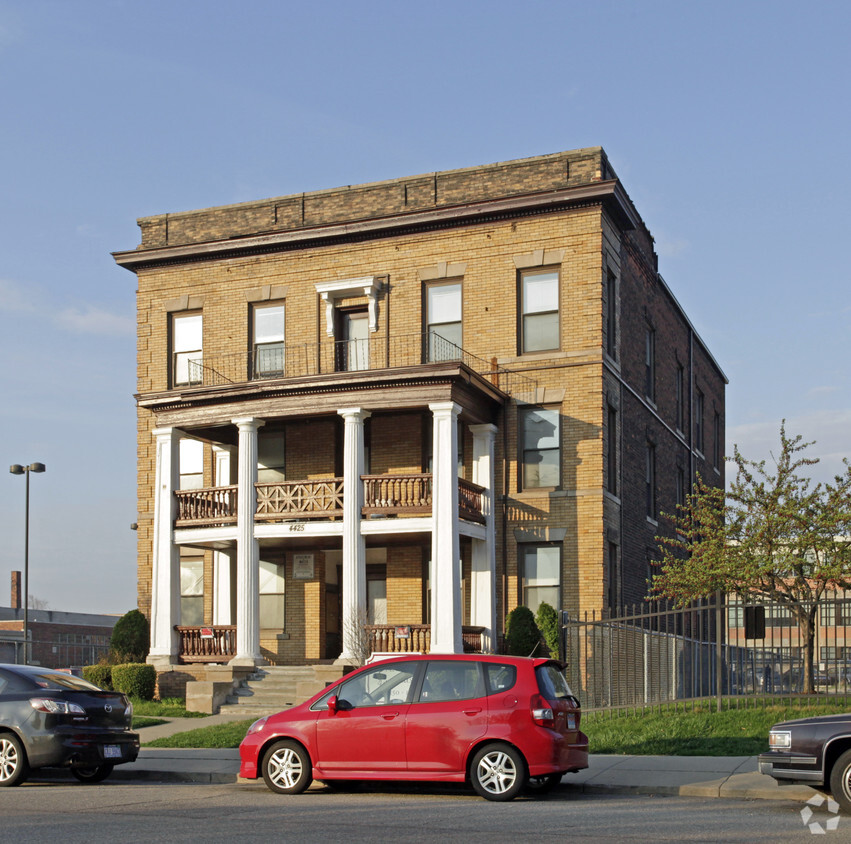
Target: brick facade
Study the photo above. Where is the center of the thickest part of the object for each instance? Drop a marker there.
(482, 228)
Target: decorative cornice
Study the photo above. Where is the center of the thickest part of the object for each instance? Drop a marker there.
(610, 193)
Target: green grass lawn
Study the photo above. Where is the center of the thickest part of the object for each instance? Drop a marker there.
(222, 735)
(698, 732)
(670, 732)
(170, 707)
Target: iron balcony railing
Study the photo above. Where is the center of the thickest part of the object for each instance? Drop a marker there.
(372, 353)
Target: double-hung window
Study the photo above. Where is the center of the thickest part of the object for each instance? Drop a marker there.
(268, 340)
(698, 422)
(541, 575)
(650, 364)
(191, 587)
(541, 447)
(443, 321)
(186, 345)
(272, 595)
(539, 307)
(650, 481)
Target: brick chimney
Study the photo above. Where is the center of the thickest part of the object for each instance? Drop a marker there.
(16, 590)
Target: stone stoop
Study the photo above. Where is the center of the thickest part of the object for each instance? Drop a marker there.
(272, 688)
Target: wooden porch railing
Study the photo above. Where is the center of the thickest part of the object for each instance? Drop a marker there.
(213, 506)
(384, 495)
(415, 638)
(471, 501)
(300, 499)
(206, 644)
(397, 495)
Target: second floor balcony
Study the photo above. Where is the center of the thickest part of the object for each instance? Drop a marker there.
(277, 361)
(396, 495)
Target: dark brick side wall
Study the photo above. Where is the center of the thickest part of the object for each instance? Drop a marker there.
(645, 302)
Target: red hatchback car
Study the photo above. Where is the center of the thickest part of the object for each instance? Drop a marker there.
(502, 723)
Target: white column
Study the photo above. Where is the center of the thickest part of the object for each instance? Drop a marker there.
(222, 560)
(354, 548)
(445, 543)
(483, 591)
(165, 574)
(247, 548)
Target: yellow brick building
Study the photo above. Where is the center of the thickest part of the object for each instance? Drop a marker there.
(380, 417)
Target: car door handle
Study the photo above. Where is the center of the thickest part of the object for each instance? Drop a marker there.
(389, 716)
(472, 711)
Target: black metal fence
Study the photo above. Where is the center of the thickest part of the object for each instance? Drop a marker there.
(654, 654)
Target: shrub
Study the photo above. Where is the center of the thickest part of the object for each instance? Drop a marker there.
(131, 638)
(521, 633)
(547, 621)
(99, 675)
(135, 679)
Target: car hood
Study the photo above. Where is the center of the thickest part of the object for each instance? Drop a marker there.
(844, 718)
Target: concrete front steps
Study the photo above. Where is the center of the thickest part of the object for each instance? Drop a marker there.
(275, 687)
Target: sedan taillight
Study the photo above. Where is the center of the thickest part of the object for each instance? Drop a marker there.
(542, 712)
(56, 707)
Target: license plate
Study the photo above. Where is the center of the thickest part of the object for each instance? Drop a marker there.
(571, 722)
(111, 751)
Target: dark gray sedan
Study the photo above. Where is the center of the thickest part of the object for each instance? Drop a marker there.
(813, 751)
(53, 719)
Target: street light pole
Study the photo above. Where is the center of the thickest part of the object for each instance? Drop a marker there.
(17, 469)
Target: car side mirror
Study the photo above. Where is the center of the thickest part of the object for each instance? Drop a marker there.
(332, 704)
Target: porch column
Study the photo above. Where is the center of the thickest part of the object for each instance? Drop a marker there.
(483, 591)
(165, 561)
(354, 547)
(223, 561)
(247, 548)
(446, 607)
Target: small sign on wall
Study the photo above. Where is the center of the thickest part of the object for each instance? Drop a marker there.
(303, 566)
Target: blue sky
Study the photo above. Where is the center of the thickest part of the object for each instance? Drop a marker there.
(728, 123)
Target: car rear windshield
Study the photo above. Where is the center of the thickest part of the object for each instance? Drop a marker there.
(551, 682)
(57, 681)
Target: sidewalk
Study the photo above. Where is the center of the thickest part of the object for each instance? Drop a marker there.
(735, 777)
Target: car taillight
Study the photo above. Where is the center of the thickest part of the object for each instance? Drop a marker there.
(56, 707)
(128, 714)
(542, 712)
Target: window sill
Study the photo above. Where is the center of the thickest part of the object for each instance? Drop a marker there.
(612, 497)
(540, 492)
(652, 522)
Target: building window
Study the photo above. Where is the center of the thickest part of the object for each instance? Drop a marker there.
(698, 421)
(650, 480)
(186, 354)
(271, 459)
(541, 440)
(191, 464)
(681, 397)
(272, 593)
(650, 364)
(682, 487)
(716, 441)
(443, 321)
(268, 340)
(611, 316)
(835, 613)
(539, 328)
(541, 575)
(612, 452)
(191, 587)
